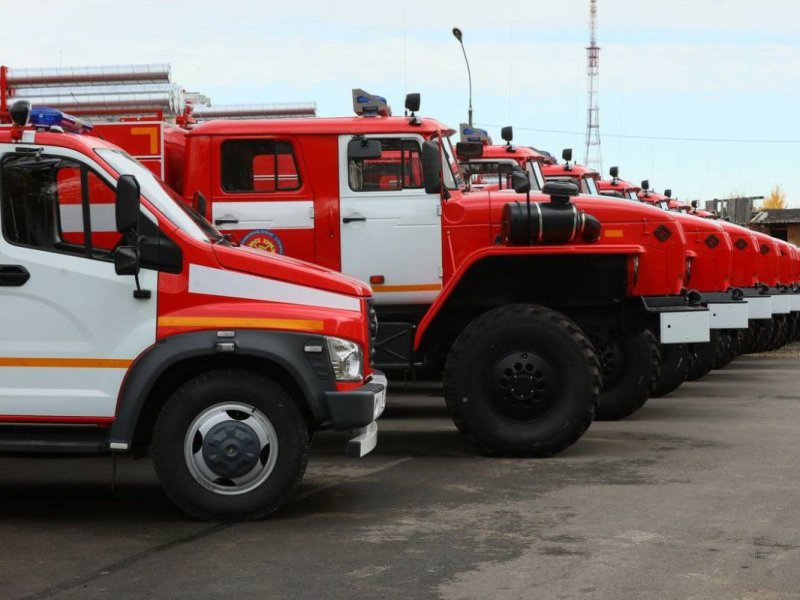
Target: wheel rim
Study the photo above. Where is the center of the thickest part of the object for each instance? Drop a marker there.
(231, 448)
(524, 386)
(611, 359)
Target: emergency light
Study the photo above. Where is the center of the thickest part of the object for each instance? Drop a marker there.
(473, 134)
(41, 116)
(370, 105)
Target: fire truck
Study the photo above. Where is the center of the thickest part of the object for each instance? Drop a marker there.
(132, 324)
(450, 266)
(382, 198)
(707, 265)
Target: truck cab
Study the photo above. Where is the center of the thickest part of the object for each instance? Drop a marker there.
(134, 324)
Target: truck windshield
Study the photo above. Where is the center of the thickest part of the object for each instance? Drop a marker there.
(633, 195)
(535, 175)
(589, 186)
(162, 197)
(451, 170)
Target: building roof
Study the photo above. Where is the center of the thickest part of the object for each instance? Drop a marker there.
(777, 216)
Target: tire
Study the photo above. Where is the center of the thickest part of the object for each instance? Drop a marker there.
(249, 414)
(547, 357)
(734, 348)
(630, 366)
(721, 351)
(674, 369)
(760, 335)
(702, 356)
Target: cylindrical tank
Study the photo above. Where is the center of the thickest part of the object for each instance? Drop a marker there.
(64, 76)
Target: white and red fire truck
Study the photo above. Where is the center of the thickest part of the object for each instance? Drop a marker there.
(131, 322)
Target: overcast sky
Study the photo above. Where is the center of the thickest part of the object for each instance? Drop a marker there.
(688, 69)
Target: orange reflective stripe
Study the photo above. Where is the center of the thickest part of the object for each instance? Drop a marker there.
(241, 322)
(422, 287)
(71, 363)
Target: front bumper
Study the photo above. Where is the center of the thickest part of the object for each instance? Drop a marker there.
(679, 322)
(725, 311)
(781, 301)
(358, 410)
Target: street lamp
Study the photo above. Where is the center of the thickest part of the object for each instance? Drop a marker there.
(458, 35)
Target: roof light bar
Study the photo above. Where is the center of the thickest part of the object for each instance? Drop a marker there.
(370, 105)
(474, 134)
(44, 117)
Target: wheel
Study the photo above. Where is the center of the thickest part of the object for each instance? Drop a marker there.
(630, 366)
(230, 445)
(522, 380)
(760, 335)
(734, 346)
(702, 356)
(674, 369)
(721, 351)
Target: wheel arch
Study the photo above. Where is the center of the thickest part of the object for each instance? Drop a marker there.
(553, 277)
(165, 366)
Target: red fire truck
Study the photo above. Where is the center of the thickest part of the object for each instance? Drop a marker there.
(382, 198)
(444, 263)
(707, 265)
(132, 323)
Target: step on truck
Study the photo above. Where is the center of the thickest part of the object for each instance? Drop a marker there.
(132, 324)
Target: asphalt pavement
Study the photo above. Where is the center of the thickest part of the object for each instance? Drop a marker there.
(695, 496)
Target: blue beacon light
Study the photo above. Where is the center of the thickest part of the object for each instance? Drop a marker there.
(42, 116)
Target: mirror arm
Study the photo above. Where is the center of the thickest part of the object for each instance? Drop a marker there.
(139, 293)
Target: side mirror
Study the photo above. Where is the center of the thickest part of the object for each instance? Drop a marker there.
(520, 182)
(200, 203)
(126, 260)
(560, 191)
(362, 148)
(646, 185)
(412, 102)
(469, 149)
(614, 172)
(507, 133)
(668, 193)
(431, 168)
(127, 204)
(566, 154)
(695, 203)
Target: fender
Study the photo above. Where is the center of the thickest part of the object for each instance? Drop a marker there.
(492, 251)
(312, 373)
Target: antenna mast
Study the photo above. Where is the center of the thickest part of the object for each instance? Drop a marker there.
(592, 156)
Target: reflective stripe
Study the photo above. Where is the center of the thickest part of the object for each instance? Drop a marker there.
(232, 284)
(78, 363)
(241, 322)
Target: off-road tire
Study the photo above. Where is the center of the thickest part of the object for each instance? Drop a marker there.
(215, 388)
(477, 404)
(702, 356)
(641, 363)
(674, 369)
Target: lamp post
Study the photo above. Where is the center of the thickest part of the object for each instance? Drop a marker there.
(458, 35)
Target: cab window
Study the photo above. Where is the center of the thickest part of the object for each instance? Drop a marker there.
(57, 204)
(399, 167)
(264, 166)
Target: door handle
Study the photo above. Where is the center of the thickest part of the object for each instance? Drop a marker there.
(13, 275)
(353, 219)
(226, 220)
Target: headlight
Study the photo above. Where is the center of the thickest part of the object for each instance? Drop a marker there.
(346, 359)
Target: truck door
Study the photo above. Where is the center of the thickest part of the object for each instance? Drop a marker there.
(260, 198)
(71, 327)
(390, 228)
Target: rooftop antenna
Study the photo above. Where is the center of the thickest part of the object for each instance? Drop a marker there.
(593, 157)
(458, 35)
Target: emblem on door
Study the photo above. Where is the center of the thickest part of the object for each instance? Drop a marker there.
(263, 239)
